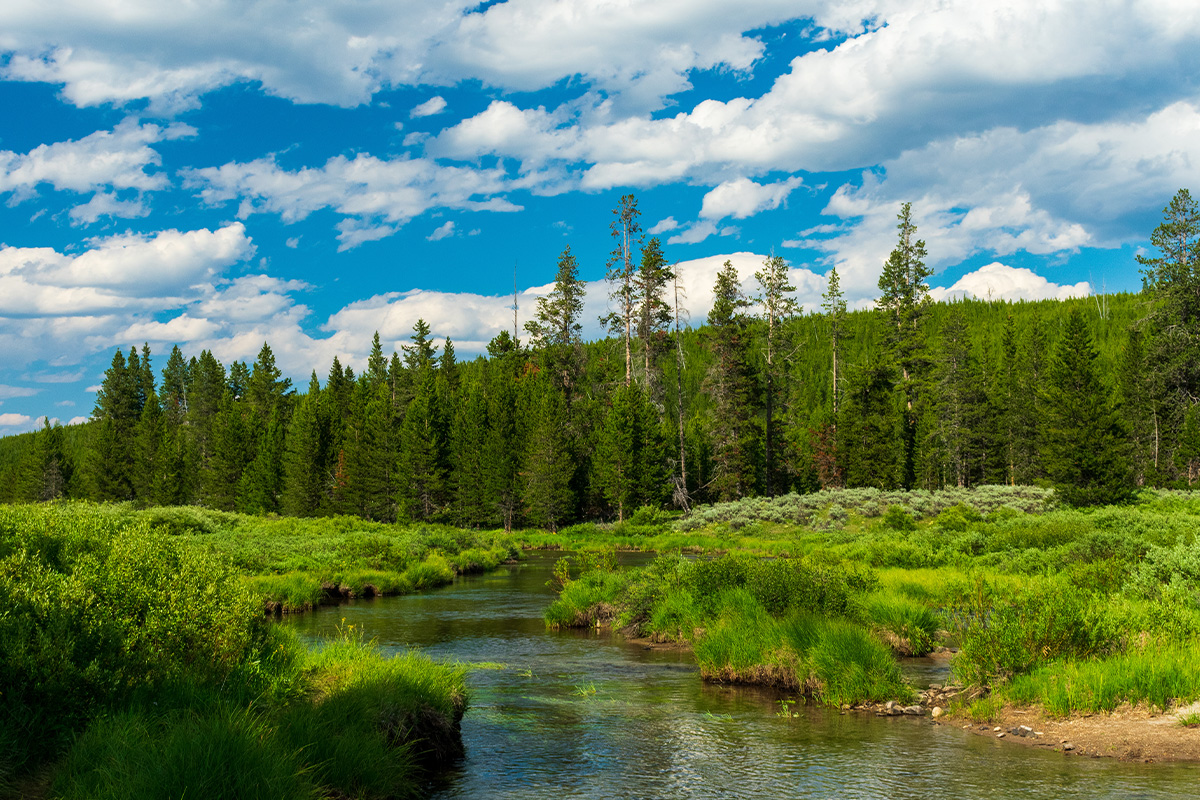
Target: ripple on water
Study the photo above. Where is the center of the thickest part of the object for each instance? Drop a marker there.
(585, 715)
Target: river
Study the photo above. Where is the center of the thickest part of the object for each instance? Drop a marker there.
(589, 715)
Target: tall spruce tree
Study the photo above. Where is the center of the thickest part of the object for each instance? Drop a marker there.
(730, 388)
(651, 283)
(304, 456)
(870, 431)
(1172, 283)
(548, 465)
(1085, 444)
(555, 329)
(776, 308)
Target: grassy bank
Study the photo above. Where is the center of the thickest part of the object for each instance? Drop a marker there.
(295, 564)
(1068, 610)
(136, 663)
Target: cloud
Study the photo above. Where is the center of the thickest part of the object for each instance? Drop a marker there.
(998, 281)
(120, 160)
(743, 198)
(1047, 190)
(375, 196)
(9, 392)
(663, 226)
(65, 307)
(104, 204)
(441, 232)
(432, 106)
(12, 420)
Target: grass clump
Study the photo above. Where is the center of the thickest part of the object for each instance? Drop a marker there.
(141, 666)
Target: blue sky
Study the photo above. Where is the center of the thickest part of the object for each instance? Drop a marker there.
(306, 173)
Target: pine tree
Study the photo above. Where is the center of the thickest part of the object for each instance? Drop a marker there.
(377, 365)
(729, 386)
(555, 328)
(548, 496)
(305, 456)
(421, 354)
(958, 398)
(627, 231)
(1085, 446)
(266, 388)
(630, 468)
(1187, 454)
(147, 444)
(870, 440)
(421, 471)
(777, 309)
(1172, 283)
(118, 408)
(904, 302)
(45, 472)
(653, 277)
(506, 441)
(834, 306)
(261, 484)
(174, 388)
(468, 457)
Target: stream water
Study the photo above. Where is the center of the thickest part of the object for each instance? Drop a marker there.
(589, 715)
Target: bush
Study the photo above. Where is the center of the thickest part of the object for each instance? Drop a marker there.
(1005, 636)
(899, 518)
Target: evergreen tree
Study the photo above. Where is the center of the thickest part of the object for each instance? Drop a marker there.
(548, 497)
(506, 442)
(377, 365)
(421, 471)
(870, 440)
(777, 308)
(621, 275)
(1172, 283)
(174, 388)
(958, 400)
(235, 435)
(148, 442)
(261, 484)
(45, 472)
(1187, 454)
(834, 305)
(630, 468)
(555, 328)
(118, 408)
(1138, 406)
(305, 456)
(904, 302)
(730, 388)
(1084, 446)
(469, 458)
(267, 389)
(651, 282)
(421, 354)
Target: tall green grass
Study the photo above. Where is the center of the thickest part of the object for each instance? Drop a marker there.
(143, 662)
(1158, 676)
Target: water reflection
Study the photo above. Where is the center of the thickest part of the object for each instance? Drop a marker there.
(588, 715)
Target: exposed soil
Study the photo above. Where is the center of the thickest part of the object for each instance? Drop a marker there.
(1128, 733)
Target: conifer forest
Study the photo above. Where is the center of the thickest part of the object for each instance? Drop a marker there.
(1094, 396)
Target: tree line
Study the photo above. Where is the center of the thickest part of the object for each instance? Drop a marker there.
(1095, 396)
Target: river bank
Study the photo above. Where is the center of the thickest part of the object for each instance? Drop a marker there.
(134, 663)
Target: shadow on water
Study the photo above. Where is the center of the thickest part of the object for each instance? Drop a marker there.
(583, 714)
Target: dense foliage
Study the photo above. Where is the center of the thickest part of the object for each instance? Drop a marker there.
(1094, 396)
(136, 662)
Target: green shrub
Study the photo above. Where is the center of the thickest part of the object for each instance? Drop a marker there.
(899, 518)
(1004, 635)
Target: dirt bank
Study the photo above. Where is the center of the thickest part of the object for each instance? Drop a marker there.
(1128, 733)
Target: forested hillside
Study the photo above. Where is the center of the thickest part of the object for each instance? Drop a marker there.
(1095, 396)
